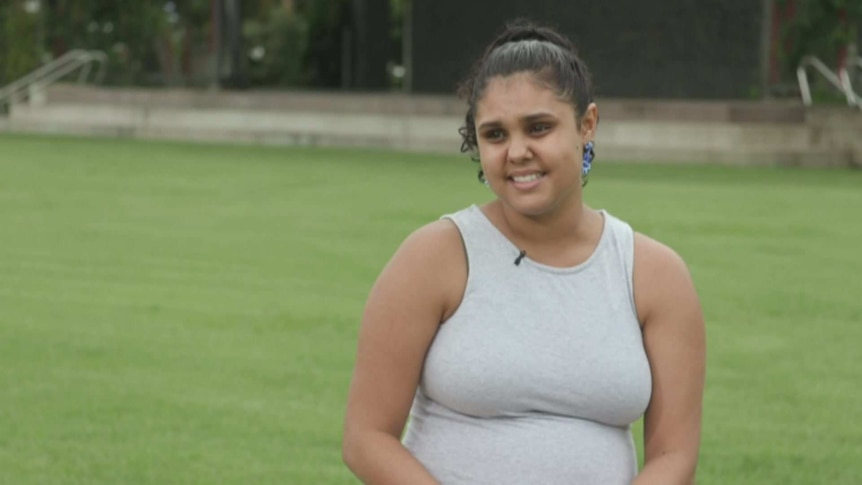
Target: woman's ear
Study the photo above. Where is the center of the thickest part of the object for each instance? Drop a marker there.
(590, 122)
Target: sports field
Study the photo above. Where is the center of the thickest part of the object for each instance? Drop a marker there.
(187, 314)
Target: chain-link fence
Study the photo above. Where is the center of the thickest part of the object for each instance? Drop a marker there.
(671, 49)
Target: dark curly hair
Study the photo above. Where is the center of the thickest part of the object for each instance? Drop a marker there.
(526, 47)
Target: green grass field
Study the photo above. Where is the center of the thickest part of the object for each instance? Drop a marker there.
(175, 313)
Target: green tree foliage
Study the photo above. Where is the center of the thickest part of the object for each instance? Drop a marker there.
(140, 37)
(288, 42)
(125, 31)
(20, 43)
(822, 28)
(278, 43)
(297, 46)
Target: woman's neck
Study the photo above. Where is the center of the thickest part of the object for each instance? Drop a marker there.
(562, 238)
(565, 225)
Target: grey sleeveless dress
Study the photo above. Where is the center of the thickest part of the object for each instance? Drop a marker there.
(540, 372)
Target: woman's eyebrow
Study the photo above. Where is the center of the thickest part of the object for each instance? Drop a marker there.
(538, 116)
(525, 119)
(489, 124)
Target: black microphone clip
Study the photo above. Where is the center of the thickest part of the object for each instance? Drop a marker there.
(520, 257)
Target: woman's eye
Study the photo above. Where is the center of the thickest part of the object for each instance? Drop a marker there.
(541, 127)
(494, 134)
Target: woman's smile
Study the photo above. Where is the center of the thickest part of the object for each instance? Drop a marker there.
(526, 181)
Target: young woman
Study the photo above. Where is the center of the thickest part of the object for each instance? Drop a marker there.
(523, 337)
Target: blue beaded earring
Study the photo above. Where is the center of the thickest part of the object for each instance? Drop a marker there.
(589, 154)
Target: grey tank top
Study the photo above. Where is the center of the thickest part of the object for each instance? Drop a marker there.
(538, 375)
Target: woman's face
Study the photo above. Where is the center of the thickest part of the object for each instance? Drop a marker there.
(530, 144)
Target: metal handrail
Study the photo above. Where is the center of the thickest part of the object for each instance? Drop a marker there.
(844, 74)
(840, 81)
(56, 69)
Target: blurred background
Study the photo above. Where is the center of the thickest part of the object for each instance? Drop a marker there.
(741, 49)
(197, 195)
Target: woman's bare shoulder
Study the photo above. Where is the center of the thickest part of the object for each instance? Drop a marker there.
(661, 276)
(656, 256)
(431, 264)
(435, 242)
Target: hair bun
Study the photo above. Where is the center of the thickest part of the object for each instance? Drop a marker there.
(522, 29)
(526, 33)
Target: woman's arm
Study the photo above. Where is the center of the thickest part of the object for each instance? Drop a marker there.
(419, 288)
(675, 342)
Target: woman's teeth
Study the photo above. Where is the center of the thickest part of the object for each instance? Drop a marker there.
(527, 178)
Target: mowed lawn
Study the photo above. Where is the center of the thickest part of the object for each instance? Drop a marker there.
(180, 313)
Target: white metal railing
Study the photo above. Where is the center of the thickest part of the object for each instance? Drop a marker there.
(56, 69)
(851, 63)
(840, 81)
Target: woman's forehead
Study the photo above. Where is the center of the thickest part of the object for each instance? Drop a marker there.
(518, 95)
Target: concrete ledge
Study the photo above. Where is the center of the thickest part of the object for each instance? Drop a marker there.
(425, 105)
(782, 112)
(306, 128)
(321, 102)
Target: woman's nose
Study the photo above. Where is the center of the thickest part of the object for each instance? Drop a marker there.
(519, 149)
